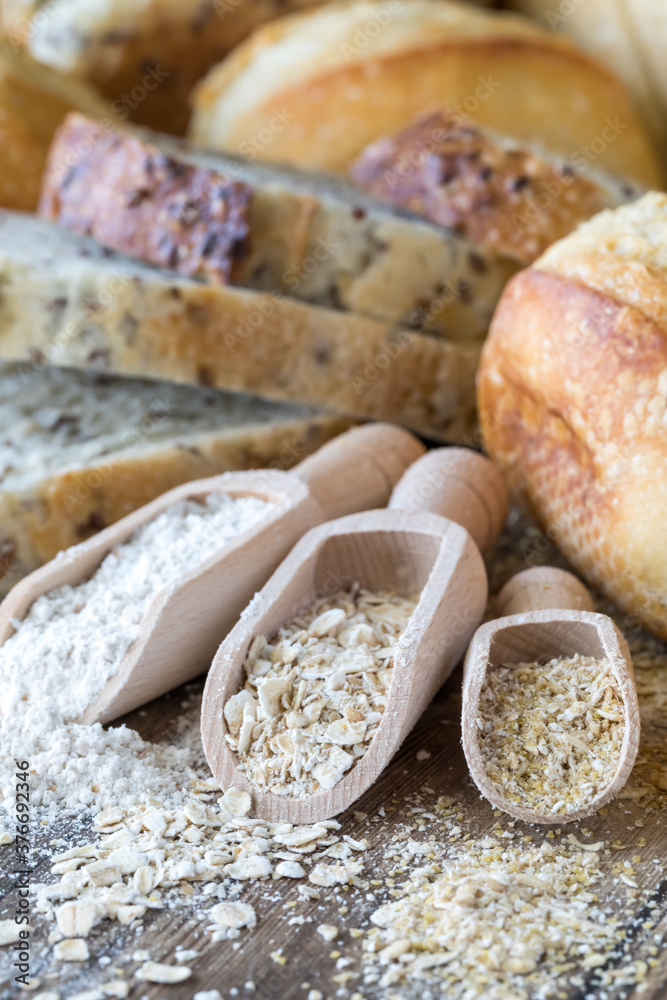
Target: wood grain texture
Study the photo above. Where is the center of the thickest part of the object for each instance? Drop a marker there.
(224, 966)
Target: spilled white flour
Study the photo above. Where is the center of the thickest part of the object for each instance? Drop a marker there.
(73, 639)
(69, 644)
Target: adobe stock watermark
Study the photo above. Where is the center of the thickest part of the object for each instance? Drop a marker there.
(370, 29)
(21, 953)
(565, 9)
(582, 158)
(253, 145)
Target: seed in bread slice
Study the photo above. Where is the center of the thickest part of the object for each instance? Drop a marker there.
(75, 303)
(310, 237)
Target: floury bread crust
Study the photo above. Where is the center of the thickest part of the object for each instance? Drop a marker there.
(79, 451)
(33, 103)
(572, 393)
(343, 75)
(310, 237)
(72, 302)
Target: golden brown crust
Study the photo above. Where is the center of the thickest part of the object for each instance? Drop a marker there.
(33, 103)
(501, 72)
(574, 411)
(508, 197)
(129, 195)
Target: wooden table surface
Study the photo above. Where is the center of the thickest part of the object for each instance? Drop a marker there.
(305, 957)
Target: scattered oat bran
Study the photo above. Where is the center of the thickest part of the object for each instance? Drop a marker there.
(316, 692)
(551, 733)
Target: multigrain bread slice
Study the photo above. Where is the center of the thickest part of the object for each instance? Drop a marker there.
(310, 237)
(514, 198)
(74, 303)
(146, 55)
(347, 73)
(78, 451)
(573, 402)
(33, 103)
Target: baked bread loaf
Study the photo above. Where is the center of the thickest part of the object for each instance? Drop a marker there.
(308, 237)
(78, 451)
(145, 56)
(33, 103)
(75, 303)
(629, 36)
(315, 88)
(514, 199)
(573, 401)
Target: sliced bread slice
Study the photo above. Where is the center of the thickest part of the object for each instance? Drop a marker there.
(307, 236)
(514, 198)
(78, 451)
(71, 302)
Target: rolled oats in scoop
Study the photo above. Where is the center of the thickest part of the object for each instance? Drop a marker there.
(315, 693)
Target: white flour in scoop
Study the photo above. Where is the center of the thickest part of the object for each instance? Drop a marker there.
(73, 639)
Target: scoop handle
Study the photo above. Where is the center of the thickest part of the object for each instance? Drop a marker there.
(541, 589)
(358, 470)
(460, 485)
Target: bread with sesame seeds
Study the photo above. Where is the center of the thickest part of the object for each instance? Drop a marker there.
(572, 394)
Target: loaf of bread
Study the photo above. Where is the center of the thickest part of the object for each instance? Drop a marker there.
(77, 304)
(78, 451)
(145, 56)
(33, 103)
(315, 88)
(311, 238)
(573, 401)
(515, 199)
(629, 36)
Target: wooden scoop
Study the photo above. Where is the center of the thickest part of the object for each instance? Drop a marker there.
(547, 613)
(411, 548)
(184, 624)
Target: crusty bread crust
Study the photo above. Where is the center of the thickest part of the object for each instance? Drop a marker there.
(512, 198)
(314, 89)
(33, 103)
(572, 394)
(130, 196)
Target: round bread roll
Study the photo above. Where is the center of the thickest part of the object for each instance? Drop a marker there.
(572, 393)
(33, 103)
(315, 88)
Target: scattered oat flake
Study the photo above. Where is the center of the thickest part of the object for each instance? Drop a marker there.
(154, 972)
(327, 931)
(71, 950)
